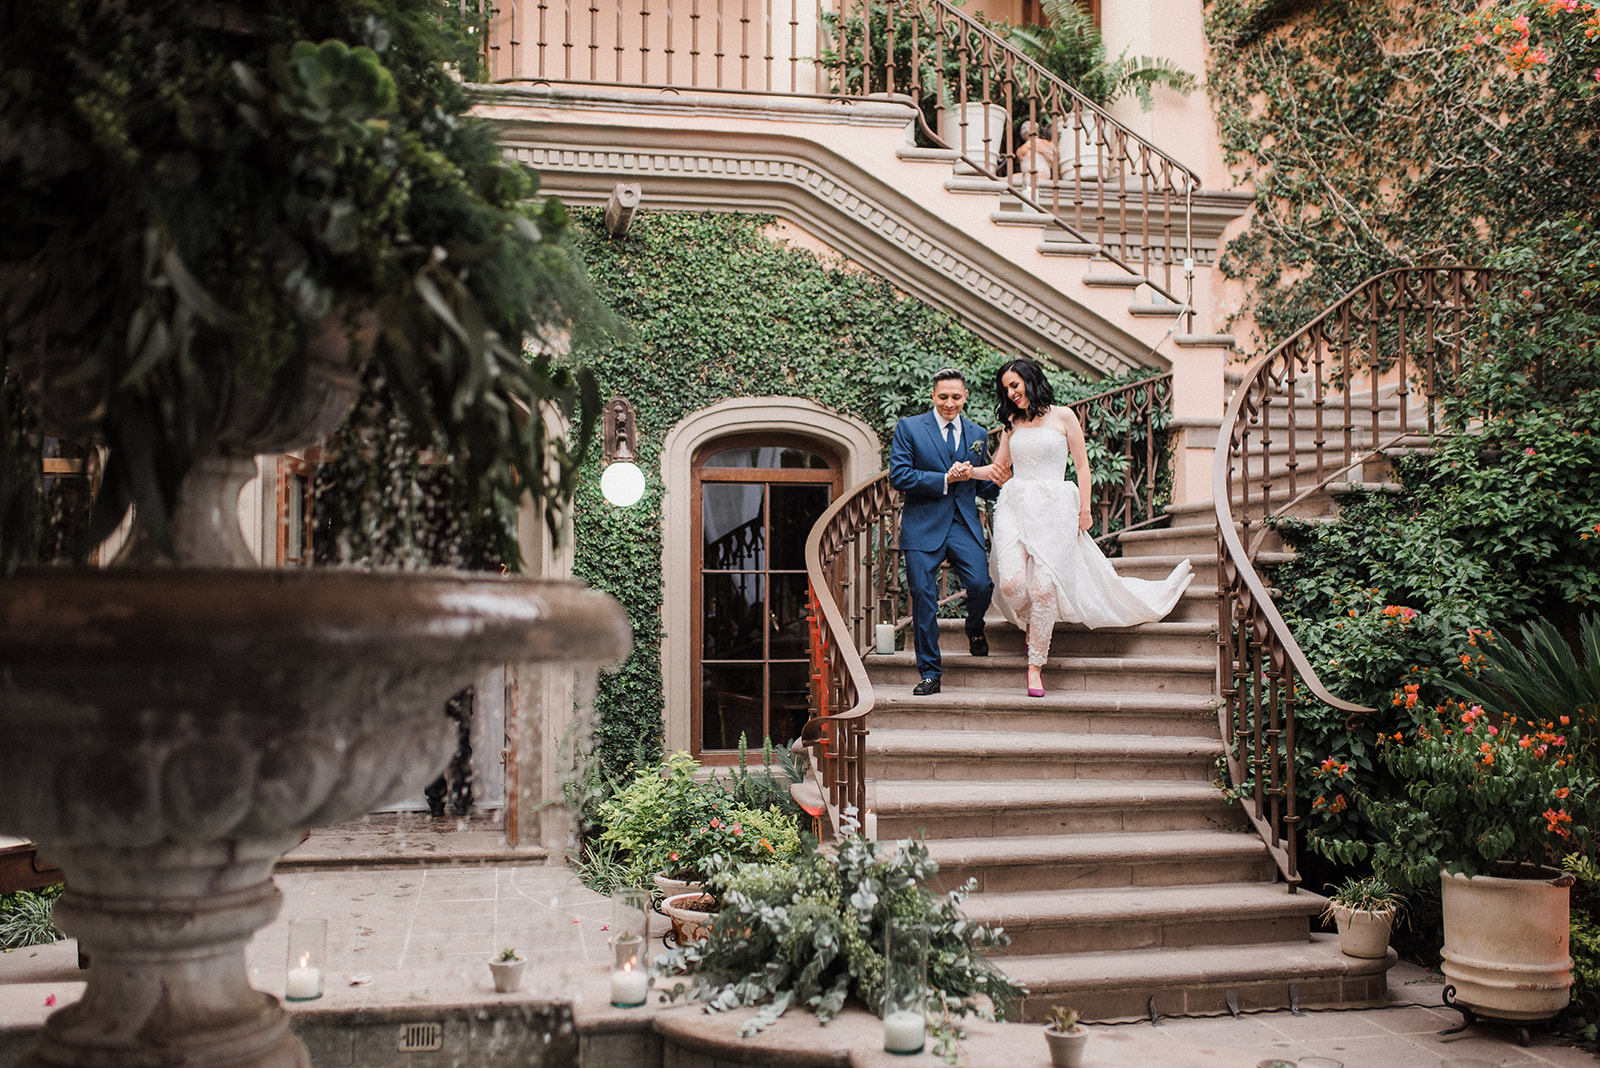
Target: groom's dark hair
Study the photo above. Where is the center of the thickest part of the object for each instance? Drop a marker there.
(1035, 387)
(947, 374)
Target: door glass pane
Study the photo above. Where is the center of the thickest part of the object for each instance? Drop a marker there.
(786, 615)
(770, 456)
(731, 521)
(795, 508)
(732, 704)
(790, 686)
(732, 608)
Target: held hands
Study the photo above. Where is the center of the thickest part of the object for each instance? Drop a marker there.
(999, 474)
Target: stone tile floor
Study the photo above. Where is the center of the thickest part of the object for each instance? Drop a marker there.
(420, 936)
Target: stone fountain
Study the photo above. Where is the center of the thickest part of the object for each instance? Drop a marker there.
(169, 732)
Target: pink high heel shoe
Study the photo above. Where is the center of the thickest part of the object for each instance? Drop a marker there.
(1033, 692)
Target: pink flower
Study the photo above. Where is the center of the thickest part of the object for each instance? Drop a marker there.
(1528, 451)
(1520, 24)
(1493, 730)
(50, 1001)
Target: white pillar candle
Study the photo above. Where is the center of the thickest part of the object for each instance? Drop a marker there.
(303, 984)
(628, 987)
(883, 638)
(903, 1032)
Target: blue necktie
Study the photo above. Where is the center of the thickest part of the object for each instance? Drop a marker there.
(950, 439)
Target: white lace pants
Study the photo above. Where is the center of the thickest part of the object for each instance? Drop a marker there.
(1032, 597)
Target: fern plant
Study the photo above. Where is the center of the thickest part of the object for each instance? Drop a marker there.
(1069, 46)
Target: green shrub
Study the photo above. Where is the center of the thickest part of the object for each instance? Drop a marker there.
(27, 918)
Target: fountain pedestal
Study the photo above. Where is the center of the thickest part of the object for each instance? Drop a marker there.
(169, 732)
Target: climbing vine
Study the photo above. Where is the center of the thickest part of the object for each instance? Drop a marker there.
(1385, 135)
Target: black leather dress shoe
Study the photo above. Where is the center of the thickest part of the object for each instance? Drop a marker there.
(925, 687)
(978, 644)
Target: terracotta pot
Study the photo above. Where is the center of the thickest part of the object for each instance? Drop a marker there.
(507, 975)
(1066, 1047)
(1505, 943)
(688, 922)
(1362, 932)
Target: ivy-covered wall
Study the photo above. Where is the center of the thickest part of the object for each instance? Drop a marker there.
(1393, 134)
(721, 310)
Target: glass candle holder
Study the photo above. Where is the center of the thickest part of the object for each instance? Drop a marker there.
(630, 913)
(630, 972)
(905, 980)
(306, 961)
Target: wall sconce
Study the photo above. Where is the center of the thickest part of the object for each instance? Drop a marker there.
(621, 483)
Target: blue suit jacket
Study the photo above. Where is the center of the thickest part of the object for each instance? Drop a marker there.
(918, 460)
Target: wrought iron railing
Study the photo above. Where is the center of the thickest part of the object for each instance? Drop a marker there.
(856, 581)
(1325, 406)
(1113, 191)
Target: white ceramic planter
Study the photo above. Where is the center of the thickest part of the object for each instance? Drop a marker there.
(1505, 943)
(985, 140)
(1363, 933)
(670, 886)
(507, 975)
(1066, 1047)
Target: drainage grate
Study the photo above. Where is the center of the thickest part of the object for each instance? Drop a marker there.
(421, 1038)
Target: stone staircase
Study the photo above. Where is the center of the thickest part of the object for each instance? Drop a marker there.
(1091, 819)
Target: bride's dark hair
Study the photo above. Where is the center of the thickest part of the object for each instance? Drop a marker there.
(1034, 386)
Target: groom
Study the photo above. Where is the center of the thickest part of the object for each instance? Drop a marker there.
(930, 462)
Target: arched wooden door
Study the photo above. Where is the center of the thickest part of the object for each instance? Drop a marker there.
(756, 499)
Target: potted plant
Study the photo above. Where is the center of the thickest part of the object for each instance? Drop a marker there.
(217, 214)
(507, 971)
(666, 825)
(1070, 47)
(1066, 1037)
(1489, 804)
(1363, 911)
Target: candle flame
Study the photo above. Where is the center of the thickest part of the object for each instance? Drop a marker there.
(305, 959)
(627, 966)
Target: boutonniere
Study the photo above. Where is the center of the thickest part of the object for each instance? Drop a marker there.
(976, 448)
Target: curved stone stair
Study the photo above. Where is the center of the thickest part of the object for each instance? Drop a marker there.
(1091, 820)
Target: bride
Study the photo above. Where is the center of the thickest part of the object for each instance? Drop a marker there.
(1045, 565)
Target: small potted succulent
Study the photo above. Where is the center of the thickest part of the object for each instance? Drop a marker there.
(1364, 911)
(1066, 1037)
(507, 969)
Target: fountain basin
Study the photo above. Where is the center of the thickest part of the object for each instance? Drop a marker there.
(169, 733)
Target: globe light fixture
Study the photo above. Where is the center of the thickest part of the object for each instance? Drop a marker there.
(621, 483)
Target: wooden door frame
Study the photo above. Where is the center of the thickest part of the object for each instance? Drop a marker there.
(697, 477)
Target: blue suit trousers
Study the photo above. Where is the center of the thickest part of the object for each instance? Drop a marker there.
(971, 564)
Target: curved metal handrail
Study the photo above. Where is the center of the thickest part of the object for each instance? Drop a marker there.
(1008, 77)
(839, 566)
(1400, 329)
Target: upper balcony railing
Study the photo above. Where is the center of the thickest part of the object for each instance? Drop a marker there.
(1112, 191)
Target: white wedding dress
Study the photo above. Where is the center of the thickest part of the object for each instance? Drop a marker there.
(1045, 569)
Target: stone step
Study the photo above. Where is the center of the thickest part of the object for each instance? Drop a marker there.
(1180, 637)
(998, 808)
(1110, 280)
(1057, 712)
(1158, 674)
(957, 755)
(1079, 861)
(1124, 919)
(1197, 981)
(1192, 514)
(1194, 541)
